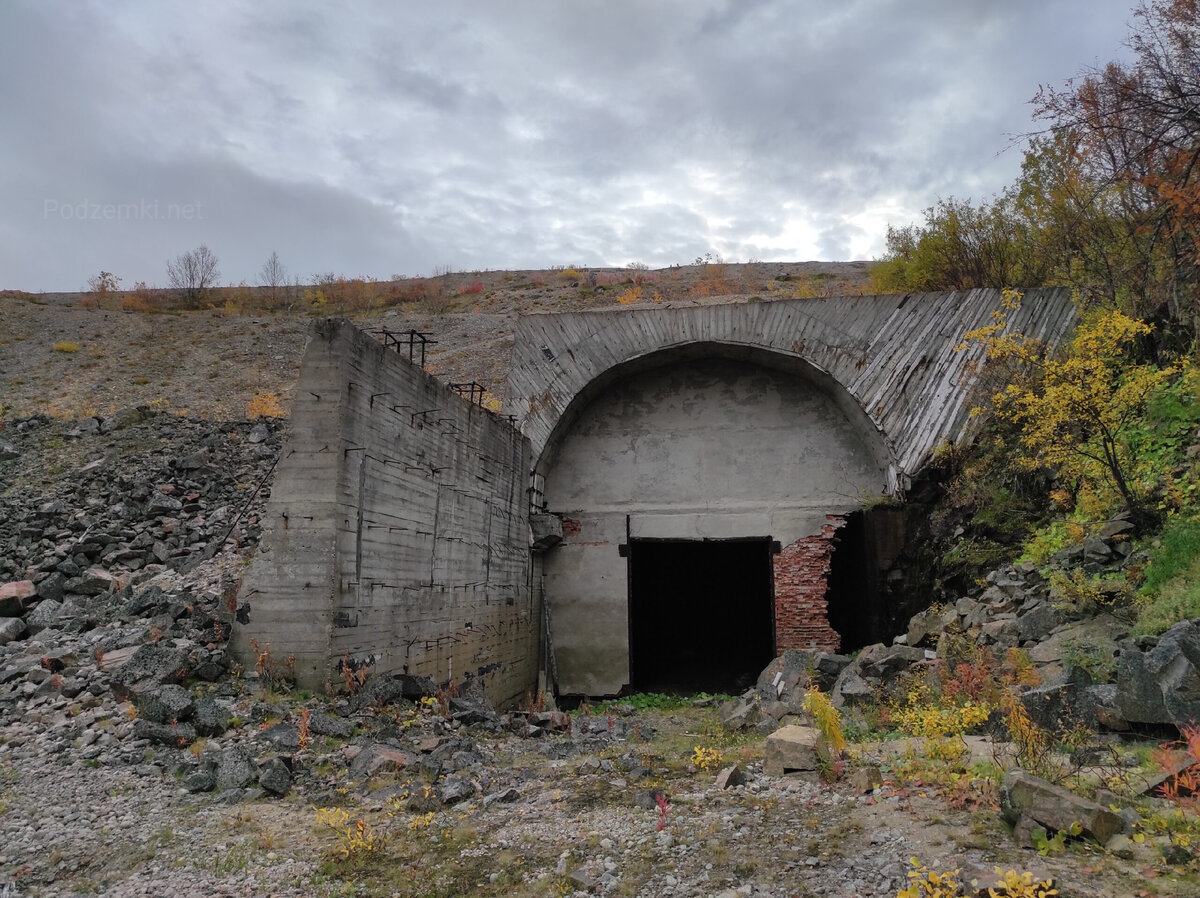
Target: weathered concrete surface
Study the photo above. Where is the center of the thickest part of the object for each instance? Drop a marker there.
(703, 449)
(738, 421)
(889, 361)
(398, 529)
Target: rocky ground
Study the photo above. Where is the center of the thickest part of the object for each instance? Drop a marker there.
(136, 758)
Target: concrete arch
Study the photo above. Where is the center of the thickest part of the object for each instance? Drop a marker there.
(896, 356)
(789, 363)
(859, 392)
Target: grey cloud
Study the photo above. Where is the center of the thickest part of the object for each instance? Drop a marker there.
(380, 137)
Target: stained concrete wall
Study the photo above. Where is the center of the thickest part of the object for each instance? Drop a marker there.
(710, 448)
(892, 360)
(398, 529)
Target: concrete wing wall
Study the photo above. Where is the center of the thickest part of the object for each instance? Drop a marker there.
(398, 530)
(894, 357)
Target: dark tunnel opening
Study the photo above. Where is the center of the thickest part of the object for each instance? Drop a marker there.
(858, 592)
(701, 614)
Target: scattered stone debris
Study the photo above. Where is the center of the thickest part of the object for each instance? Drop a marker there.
(120, 552)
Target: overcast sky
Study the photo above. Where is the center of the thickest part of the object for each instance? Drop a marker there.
(381, 138)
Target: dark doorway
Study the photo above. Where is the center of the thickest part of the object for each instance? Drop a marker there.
(701, 614)
(858, 595)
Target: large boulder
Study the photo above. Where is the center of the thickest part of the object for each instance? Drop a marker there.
(13, 597)
(152, 665)
(1024, 797)
(794, 748)
(1162, 685)
(1063, 706)
(742, 713)
(392, 688)
(924, 627)
(872, 673)
(165, 704)
(787, 677)
(471, 705)
(236, 769)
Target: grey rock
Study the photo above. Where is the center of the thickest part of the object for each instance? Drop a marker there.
(455, 789)
(283, 735)
(92, 582)
(924, 627)
(11, 628)
(1161, 685)
(209, 718)
(507, 796)
(236, 769)
(1036, 624)
(852, 689)
(126, 417)
(53, 587)
(1096, 549)
(45, 615)
(793, 748)
(741, 713)
(1063, 706)
(178, 735)
(275, 776)
(322, 724)
(203, 780)
(390, 689)
(733, 775)
(259, 433)
(884, 662)
(380, 758)
(1023, 795)
(151, 665)
(195, 461)
(545, 531)
(8, 451)
(788, 675)
(472, 705)
(162, 504)
(165, 704)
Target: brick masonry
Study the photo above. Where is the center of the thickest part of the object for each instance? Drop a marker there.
(801, 580)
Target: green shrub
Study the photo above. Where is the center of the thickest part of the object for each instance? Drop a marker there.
(1177, 599)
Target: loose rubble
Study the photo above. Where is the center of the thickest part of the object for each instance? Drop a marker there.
(136, 758)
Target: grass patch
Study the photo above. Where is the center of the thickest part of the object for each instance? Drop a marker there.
(67, 346)
(1171, 591)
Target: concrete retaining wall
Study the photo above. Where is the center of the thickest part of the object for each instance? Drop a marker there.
(398, 529)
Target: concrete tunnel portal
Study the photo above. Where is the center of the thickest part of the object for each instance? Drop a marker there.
(707, 472)
(702, 490)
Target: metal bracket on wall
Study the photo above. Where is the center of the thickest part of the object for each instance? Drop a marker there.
(623, 550)
(776, 547)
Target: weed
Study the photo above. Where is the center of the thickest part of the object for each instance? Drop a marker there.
(1021, 885)
(926, 883)
(664, 810)
(264, 404)
(357, 838)
(818, 706)
(66, 346)
(706, 758)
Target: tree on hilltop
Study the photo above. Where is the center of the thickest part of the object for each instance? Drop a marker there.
(192, 274)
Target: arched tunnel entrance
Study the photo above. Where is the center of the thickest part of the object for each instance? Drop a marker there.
(701, 614)
(700, 494)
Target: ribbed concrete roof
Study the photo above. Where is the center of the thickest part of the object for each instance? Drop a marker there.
(895, 357)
